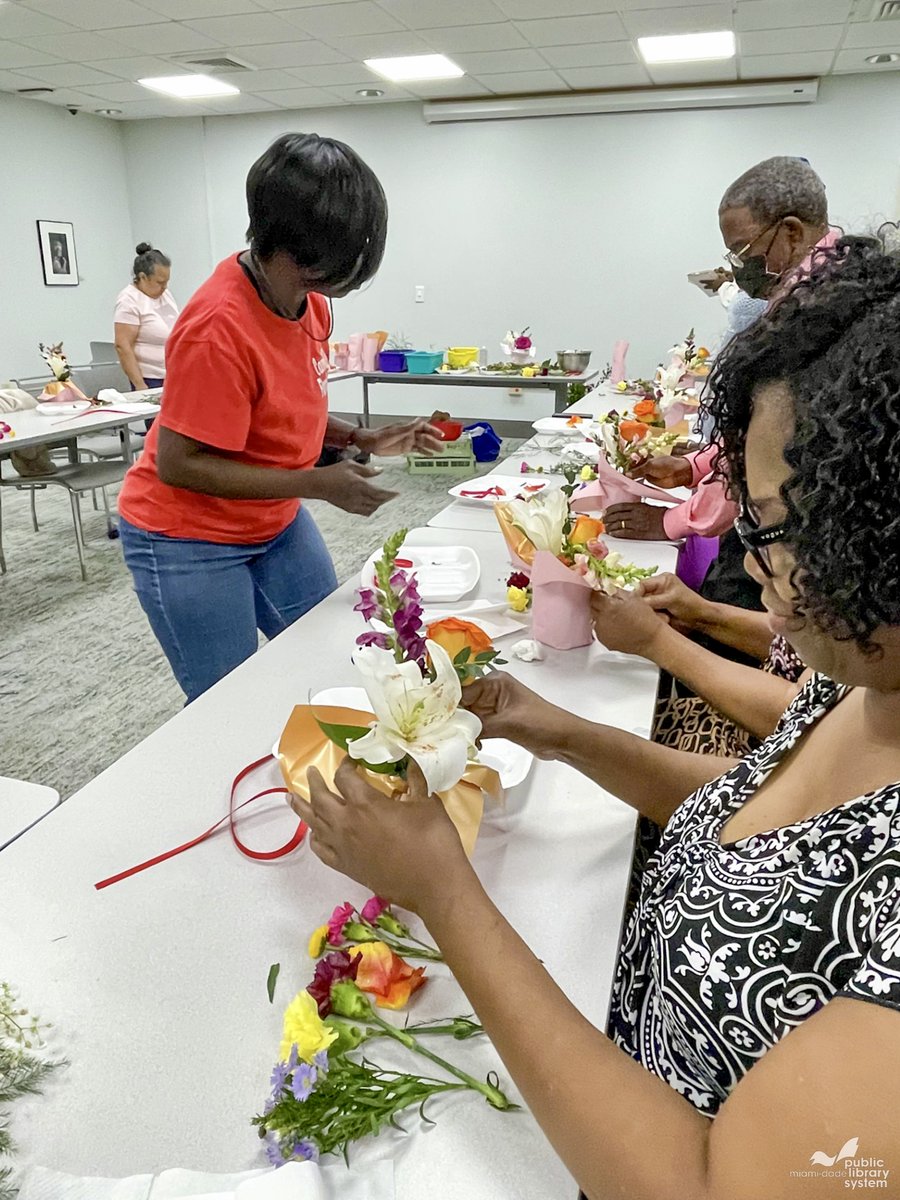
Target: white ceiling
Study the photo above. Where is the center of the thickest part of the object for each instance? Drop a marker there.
(308, 53)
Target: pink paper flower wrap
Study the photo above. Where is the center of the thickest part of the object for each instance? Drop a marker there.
(612, 487)
(560, 605)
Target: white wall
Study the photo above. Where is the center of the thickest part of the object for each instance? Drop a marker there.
(582, 227)
(60, 168)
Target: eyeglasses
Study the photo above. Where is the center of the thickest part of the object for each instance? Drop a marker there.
(736, 258)
(756, 539)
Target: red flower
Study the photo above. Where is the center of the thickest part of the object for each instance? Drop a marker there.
(372, 909)
(336, 967)
(523, 342)
(385, 975)
(336, 922)
(518, 579)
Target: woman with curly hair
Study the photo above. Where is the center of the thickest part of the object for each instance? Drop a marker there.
(755, 1021)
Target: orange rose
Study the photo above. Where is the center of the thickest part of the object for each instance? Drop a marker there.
(385, 975)
(645, 408)
(455, 635)
(585, 530)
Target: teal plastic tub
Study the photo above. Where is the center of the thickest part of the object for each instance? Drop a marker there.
(423, 362)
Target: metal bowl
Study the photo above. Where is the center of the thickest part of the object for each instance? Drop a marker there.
(573, 360)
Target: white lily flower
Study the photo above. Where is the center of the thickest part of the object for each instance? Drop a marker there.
(610, 442)
(668, 378)
(57, 365)
(416, 716)
(541, 518)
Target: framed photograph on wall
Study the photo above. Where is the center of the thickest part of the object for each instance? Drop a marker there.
(57, 241)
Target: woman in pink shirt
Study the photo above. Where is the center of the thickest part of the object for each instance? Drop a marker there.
(144, 317)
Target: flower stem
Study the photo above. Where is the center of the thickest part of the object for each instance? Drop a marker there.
(492, 1094)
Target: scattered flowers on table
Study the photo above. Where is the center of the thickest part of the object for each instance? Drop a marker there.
(24, 1068)
(374, 922)
(326, 1093)
(518, 592)
(6, 431)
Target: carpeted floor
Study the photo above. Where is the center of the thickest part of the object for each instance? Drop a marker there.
(83, 679)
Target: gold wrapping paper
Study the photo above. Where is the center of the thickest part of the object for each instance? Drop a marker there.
(303, 745)
(520, 546)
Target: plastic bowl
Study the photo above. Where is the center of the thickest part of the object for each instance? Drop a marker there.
(392, 360)
(462, 356)
(450, 430)
(423, 362)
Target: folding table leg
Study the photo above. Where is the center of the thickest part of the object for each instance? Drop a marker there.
(2, 555)
(34, 520)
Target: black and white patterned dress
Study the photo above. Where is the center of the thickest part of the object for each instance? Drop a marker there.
(731, 947)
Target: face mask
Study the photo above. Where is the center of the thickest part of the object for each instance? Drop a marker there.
(755, 278)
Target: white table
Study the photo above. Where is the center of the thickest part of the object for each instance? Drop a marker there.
(22, 805)
(31, 428)
(157, 985)
(557, 384)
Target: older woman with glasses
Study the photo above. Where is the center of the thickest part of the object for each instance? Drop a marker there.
(755, 1021)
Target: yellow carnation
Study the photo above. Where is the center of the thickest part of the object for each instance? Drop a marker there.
(305, 1029)
(517, 599)
(622, 386)
(528, 372)
(588, 473)
(318, 941)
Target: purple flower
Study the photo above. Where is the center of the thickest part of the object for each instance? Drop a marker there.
(293, 1057)
(368, 604)
(273, 1151)
(320, 1061)
(303, 1081)
(279, 1078)
(374, 639)
(373, 908)
(305, 1150)
(399, 580)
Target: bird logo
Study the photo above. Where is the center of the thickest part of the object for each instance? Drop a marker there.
(848, 1150)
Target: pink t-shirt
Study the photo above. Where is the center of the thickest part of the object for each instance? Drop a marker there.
(154, 319)
(710, 512)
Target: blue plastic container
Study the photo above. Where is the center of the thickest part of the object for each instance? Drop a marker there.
(392, 360)
(423, 362)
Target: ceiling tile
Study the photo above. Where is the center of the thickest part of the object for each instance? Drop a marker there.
(247, 30)
(527, 10)
(169, 37)
(302, 98)
(80, 47)
(392, 93)
(95, 14)
(431, 14)
(491, 62)
(447, 89)
(449, 40)
(573, 31)
(783, 66)
(381, 45)
(783, 41)
(258, 81)
(160, 106)
(18, 23)
(117, 92)
(594, 54)
(334, 74)
(136, 67)
(787, 14)
(606, 77)
(11, 81)
(522, 82)
(855, 60)
(693, 18)
(289, 54)
(245, 103)
(342, 20)
(70, 75)
(873, 35)
(189, 10)
(287, 4)
(668, 74)
(13, 55)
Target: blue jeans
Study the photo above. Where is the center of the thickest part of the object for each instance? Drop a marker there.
(205, 601)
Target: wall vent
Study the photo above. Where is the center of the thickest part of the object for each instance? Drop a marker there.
(212, 62)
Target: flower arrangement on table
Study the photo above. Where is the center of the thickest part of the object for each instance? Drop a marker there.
(671, 394)
(562, 558)
(627, 440)
(694, 358)
(62, 387)
(518, 347)
(326, 1093)
(413, 676)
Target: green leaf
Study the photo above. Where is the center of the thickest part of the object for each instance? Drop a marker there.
(343, 735)
(271, 980)
(462, 657)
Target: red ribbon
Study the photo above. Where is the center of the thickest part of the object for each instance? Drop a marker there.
(262, 855)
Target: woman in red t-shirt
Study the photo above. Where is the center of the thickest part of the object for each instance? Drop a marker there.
(211, 521)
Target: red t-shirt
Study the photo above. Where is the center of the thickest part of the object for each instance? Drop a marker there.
(250, 384)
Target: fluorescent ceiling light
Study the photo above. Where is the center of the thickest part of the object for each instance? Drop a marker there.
(189, 87)
(687, 47)
(414, 67)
